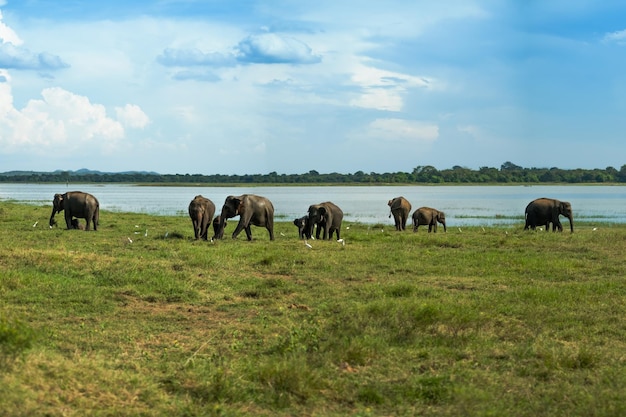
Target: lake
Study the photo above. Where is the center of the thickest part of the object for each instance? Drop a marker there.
(463, 205)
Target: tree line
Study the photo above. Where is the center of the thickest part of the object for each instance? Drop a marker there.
(507, 173)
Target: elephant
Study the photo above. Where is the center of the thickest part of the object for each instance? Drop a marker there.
(252, 210)
(217, 233)
(400, 209)
(327, 217)
(201, 211)
(302, 225)
(76, 204)
(544, 211)
(429, 216)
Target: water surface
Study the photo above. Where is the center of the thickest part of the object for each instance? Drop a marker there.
(463, 205)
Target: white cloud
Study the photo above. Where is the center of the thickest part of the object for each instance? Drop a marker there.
(272, 48)
(379, 98)
(407, 131)
(13, 55)
(62, 121)
(618, 37)
(7, 35)
(384, 90)
(132, 116)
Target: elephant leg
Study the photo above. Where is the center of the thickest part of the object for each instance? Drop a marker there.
(94, 221)
(239, 228)
(558, 225)
(248, 230)
(205, 229)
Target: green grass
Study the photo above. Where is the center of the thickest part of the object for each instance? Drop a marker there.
(493, 321)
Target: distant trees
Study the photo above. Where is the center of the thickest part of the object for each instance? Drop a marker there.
(428, 174)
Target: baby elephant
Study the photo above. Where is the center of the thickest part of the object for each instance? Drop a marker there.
(301, 224)
(76, 224)
(429, 216)
(217, 232)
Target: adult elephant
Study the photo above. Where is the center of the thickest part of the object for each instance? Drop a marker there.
(400, 209)
(201, 211)
(543, 211)
(76, 204)
(252, 210)
(429, 216)
(327, 217)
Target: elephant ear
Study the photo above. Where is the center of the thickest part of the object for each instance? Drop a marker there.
(238, 203)
(323, 210)
(58, 201)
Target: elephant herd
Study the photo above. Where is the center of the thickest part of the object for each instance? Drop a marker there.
(255, 210)
(323, 218)
(400, 209)
(539, 212)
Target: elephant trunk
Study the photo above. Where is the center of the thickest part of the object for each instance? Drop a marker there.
(221, 226)
(571, 224)
(54, 212)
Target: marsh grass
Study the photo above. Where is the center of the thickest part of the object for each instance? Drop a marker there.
(487, 321)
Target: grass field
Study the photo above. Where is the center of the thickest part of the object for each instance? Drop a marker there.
(478, 322)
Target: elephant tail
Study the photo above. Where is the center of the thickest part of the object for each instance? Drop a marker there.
(96, 216)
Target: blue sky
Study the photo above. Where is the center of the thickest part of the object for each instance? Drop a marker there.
(247, 87)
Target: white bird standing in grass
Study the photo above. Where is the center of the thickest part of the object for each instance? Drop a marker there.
(307, 245)
(35, 225)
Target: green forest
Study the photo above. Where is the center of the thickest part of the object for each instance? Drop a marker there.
(507, 173)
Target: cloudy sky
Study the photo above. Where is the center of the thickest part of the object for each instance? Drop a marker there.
(255, 86)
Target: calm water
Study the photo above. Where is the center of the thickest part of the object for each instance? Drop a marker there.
(463, 205)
